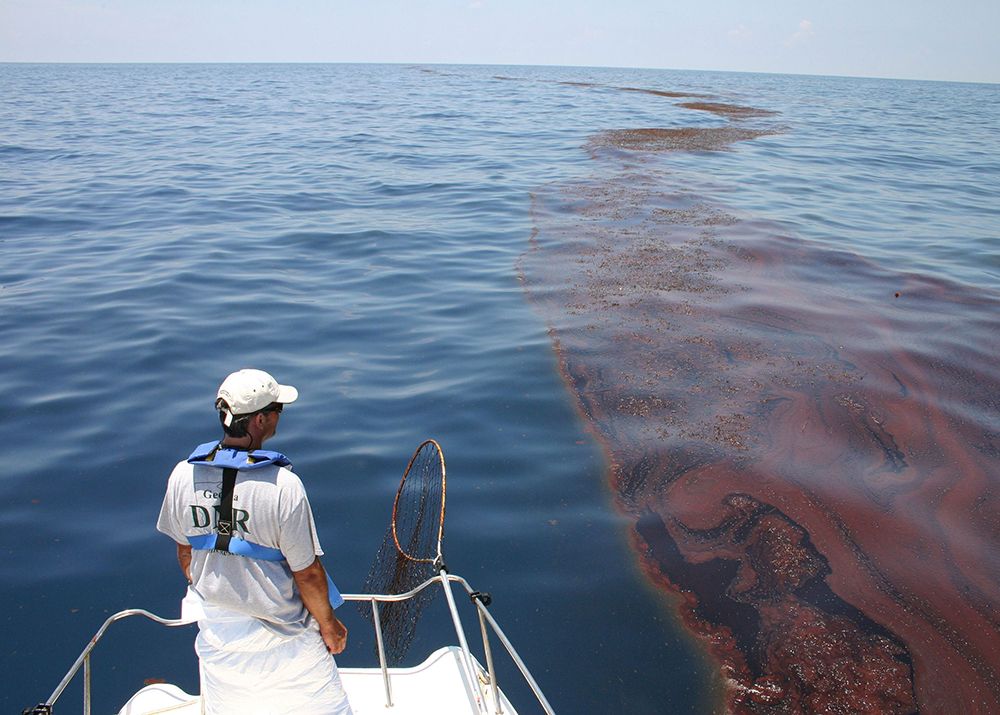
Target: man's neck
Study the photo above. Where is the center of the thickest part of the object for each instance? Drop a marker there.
(235, 443)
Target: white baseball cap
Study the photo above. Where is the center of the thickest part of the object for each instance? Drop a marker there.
(246, 391)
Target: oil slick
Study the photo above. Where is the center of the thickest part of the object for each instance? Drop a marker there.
(808, 457)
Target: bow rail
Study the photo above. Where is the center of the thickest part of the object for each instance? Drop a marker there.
(473, 673)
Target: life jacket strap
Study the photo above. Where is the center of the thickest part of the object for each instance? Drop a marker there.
(225, 525)
(222, 539)
(241, 547)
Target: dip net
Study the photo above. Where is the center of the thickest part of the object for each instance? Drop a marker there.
(411, 549)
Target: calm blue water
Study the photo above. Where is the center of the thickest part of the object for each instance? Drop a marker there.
(356, 231)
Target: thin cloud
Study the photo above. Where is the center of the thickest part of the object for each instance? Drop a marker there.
(803, 34)
(740, 32)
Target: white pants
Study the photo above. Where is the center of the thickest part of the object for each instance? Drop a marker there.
(246, 669)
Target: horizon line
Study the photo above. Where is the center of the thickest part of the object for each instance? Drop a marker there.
(485, 64)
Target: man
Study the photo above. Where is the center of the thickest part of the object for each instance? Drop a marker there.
(247, 544)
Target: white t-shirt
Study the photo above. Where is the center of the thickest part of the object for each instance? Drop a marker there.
(270, 509)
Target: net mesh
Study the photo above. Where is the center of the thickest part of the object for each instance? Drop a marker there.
(411, 549)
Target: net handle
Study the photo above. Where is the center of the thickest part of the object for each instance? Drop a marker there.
(437, 559)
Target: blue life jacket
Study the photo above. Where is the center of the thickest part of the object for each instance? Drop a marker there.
(214, 454)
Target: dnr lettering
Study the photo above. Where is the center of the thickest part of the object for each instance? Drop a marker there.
(201, 517)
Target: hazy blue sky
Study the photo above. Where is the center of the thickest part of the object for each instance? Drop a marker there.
(953, 40)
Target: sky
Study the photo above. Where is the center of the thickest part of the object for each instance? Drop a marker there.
(955, 40)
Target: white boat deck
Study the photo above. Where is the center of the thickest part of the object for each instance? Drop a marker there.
(437, 686)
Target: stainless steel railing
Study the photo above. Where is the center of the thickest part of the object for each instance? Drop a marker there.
(84, 659)
(444, 579)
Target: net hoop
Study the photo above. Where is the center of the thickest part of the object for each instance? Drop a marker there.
(437, 558)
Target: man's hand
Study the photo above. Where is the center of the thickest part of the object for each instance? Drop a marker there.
(335, 636)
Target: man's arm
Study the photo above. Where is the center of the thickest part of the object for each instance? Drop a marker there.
(316, 596)
(184, 559)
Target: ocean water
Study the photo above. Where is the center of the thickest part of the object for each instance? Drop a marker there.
(434, 252)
